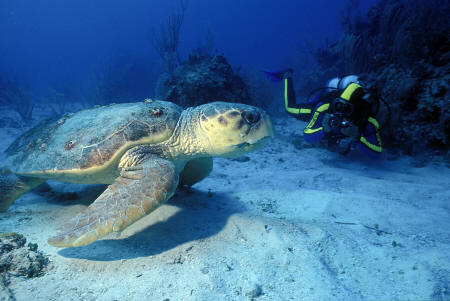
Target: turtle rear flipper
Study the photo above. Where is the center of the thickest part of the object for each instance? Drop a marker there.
(135, 193)
(13, 186)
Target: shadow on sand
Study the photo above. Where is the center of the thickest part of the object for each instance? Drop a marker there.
(199, 216)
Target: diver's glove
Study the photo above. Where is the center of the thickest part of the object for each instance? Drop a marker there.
(326, 123)
(350, 130)
(345, 145)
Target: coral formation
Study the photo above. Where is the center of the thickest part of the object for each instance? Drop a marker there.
(19, 259)
(203, 79)
(402, 52)
(167, 40)
(5, 293)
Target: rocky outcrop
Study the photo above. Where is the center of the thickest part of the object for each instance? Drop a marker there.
(402, 52)
(203, 79)
(20, 259)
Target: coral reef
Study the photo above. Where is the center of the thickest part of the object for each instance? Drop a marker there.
(203, 79)
(402, 52)
(5, 293)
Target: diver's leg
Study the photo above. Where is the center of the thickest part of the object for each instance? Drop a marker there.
(370, 141)
(289, 96)
(301, 111)
(318, 124)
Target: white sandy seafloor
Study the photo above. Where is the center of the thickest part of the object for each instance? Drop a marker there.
(287, 224)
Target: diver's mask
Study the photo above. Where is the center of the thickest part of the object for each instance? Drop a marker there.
(336, 121)
(343, 107)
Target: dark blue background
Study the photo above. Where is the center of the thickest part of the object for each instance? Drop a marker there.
(51, 43)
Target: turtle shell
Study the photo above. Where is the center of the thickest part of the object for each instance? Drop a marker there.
(91, 138)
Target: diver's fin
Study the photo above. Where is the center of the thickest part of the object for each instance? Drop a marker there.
(277, 75)
(136, 192)
(13, 186)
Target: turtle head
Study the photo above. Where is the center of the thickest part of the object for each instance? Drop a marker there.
(231, 129)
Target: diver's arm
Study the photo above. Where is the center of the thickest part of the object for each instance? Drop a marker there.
(314, 131)
(370, 141)
(297, 110)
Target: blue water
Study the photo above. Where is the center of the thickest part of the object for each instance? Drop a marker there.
(55, 44)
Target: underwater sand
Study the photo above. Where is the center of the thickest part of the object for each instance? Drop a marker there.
(287, 224)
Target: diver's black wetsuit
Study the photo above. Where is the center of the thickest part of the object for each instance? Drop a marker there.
(322, 108)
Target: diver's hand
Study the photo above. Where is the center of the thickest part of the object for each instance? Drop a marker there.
(345, 145)
(326, 123)
(350, 130)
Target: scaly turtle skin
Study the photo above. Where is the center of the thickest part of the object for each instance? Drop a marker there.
(143, 150)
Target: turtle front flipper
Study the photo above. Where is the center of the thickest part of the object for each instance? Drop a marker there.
(136, 192)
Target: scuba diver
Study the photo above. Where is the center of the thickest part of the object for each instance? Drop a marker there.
(342, 113)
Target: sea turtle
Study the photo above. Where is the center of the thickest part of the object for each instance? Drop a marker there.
(144, 150)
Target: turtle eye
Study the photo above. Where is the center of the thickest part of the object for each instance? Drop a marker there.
(250, 117)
